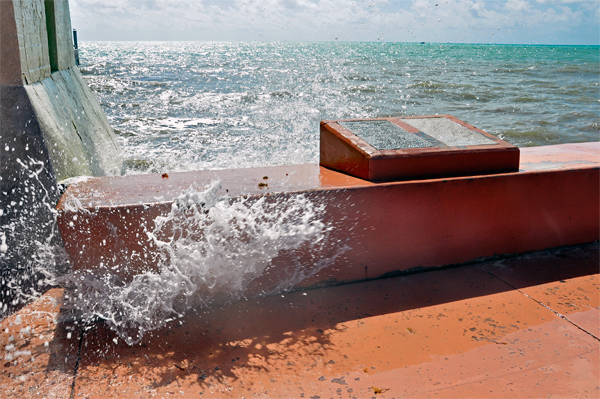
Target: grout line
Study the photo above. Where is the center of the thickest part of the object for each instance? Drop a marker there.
(72, 396)
(490, 378)
(546, 306)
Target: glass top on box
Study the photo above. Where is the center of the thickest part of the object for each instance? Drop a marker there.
(435, 132)
(384, 135)
(449, 132)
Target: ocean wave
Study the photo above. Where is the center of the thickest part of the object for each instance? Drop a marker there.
(211, 248)
(287, 88)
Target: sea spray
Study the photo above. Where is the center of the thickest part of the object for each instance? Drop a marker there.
(184, 106)
(210, 249)
(31, 253)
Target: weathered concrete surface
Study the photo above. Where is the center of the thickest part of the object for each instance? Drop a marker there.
(521, 327)
(27, 192)
(60, 40)
(389, 227)
(10, 50)
(79, 138)
(30, 16)
(51, 128)
(77, 134)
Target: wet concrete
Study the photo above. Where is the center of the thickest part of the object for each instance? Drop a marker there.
(525, 326)
(39, 354)
(388, 227)
(51, 128)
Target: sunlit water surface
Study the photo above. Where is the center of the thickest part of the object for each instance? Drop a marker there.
(191, 106)
(195, 105)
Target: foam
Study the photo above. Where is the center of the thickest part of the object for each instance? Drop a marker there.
(211, 248)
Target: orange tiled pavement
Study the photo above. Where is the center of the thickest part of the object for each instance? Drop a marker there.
(521, 327)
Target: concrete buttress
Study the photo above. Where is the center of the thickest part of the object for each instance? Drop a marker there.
(51, 128)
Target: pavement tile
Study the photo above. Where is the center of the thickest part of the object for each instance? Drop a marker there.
(38, 357)
(554, 359)
(462, 332)
(588, 321)
(566, 281)
(319, 342)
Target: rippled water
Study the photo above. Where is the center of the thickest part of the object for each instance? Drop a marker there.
(196, 105)
(189, 106)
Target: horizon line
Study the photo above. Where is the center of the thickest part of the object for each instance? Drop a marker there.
(346, 41)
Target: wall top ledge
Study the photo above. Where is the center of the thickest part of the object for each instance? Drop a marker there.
(157, 188)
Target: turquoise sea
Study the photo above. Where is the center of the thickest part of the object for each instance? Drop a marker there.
(179, 106)
(188, 106)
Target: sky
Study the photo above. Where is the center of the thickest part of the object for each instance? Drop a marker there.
(441, 21)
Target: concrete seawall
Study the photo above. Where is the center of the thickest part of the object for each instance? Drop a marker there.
(51, 128)
(389, 227)
(37, 54)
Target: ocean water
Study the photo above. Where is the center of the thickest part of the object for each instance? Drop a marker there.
(179, 106)
(190, 106)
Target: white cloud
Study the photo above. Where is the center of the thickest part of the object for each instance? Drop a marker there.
(196, 16)
(395, 20)
(516, 5)
(567, 1)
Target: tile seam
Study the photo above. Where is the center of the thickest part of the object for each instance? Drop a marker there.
(560, 315)
(523, 370)
(76, 368)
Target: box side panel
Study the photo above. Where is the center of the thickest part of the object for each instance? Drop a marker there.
(338, 154)
(444, 164)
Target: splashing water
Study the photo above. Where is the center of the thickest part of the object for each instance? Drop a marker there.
(31, 253)
(193, 106)
(181, 106)
(211, 250)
